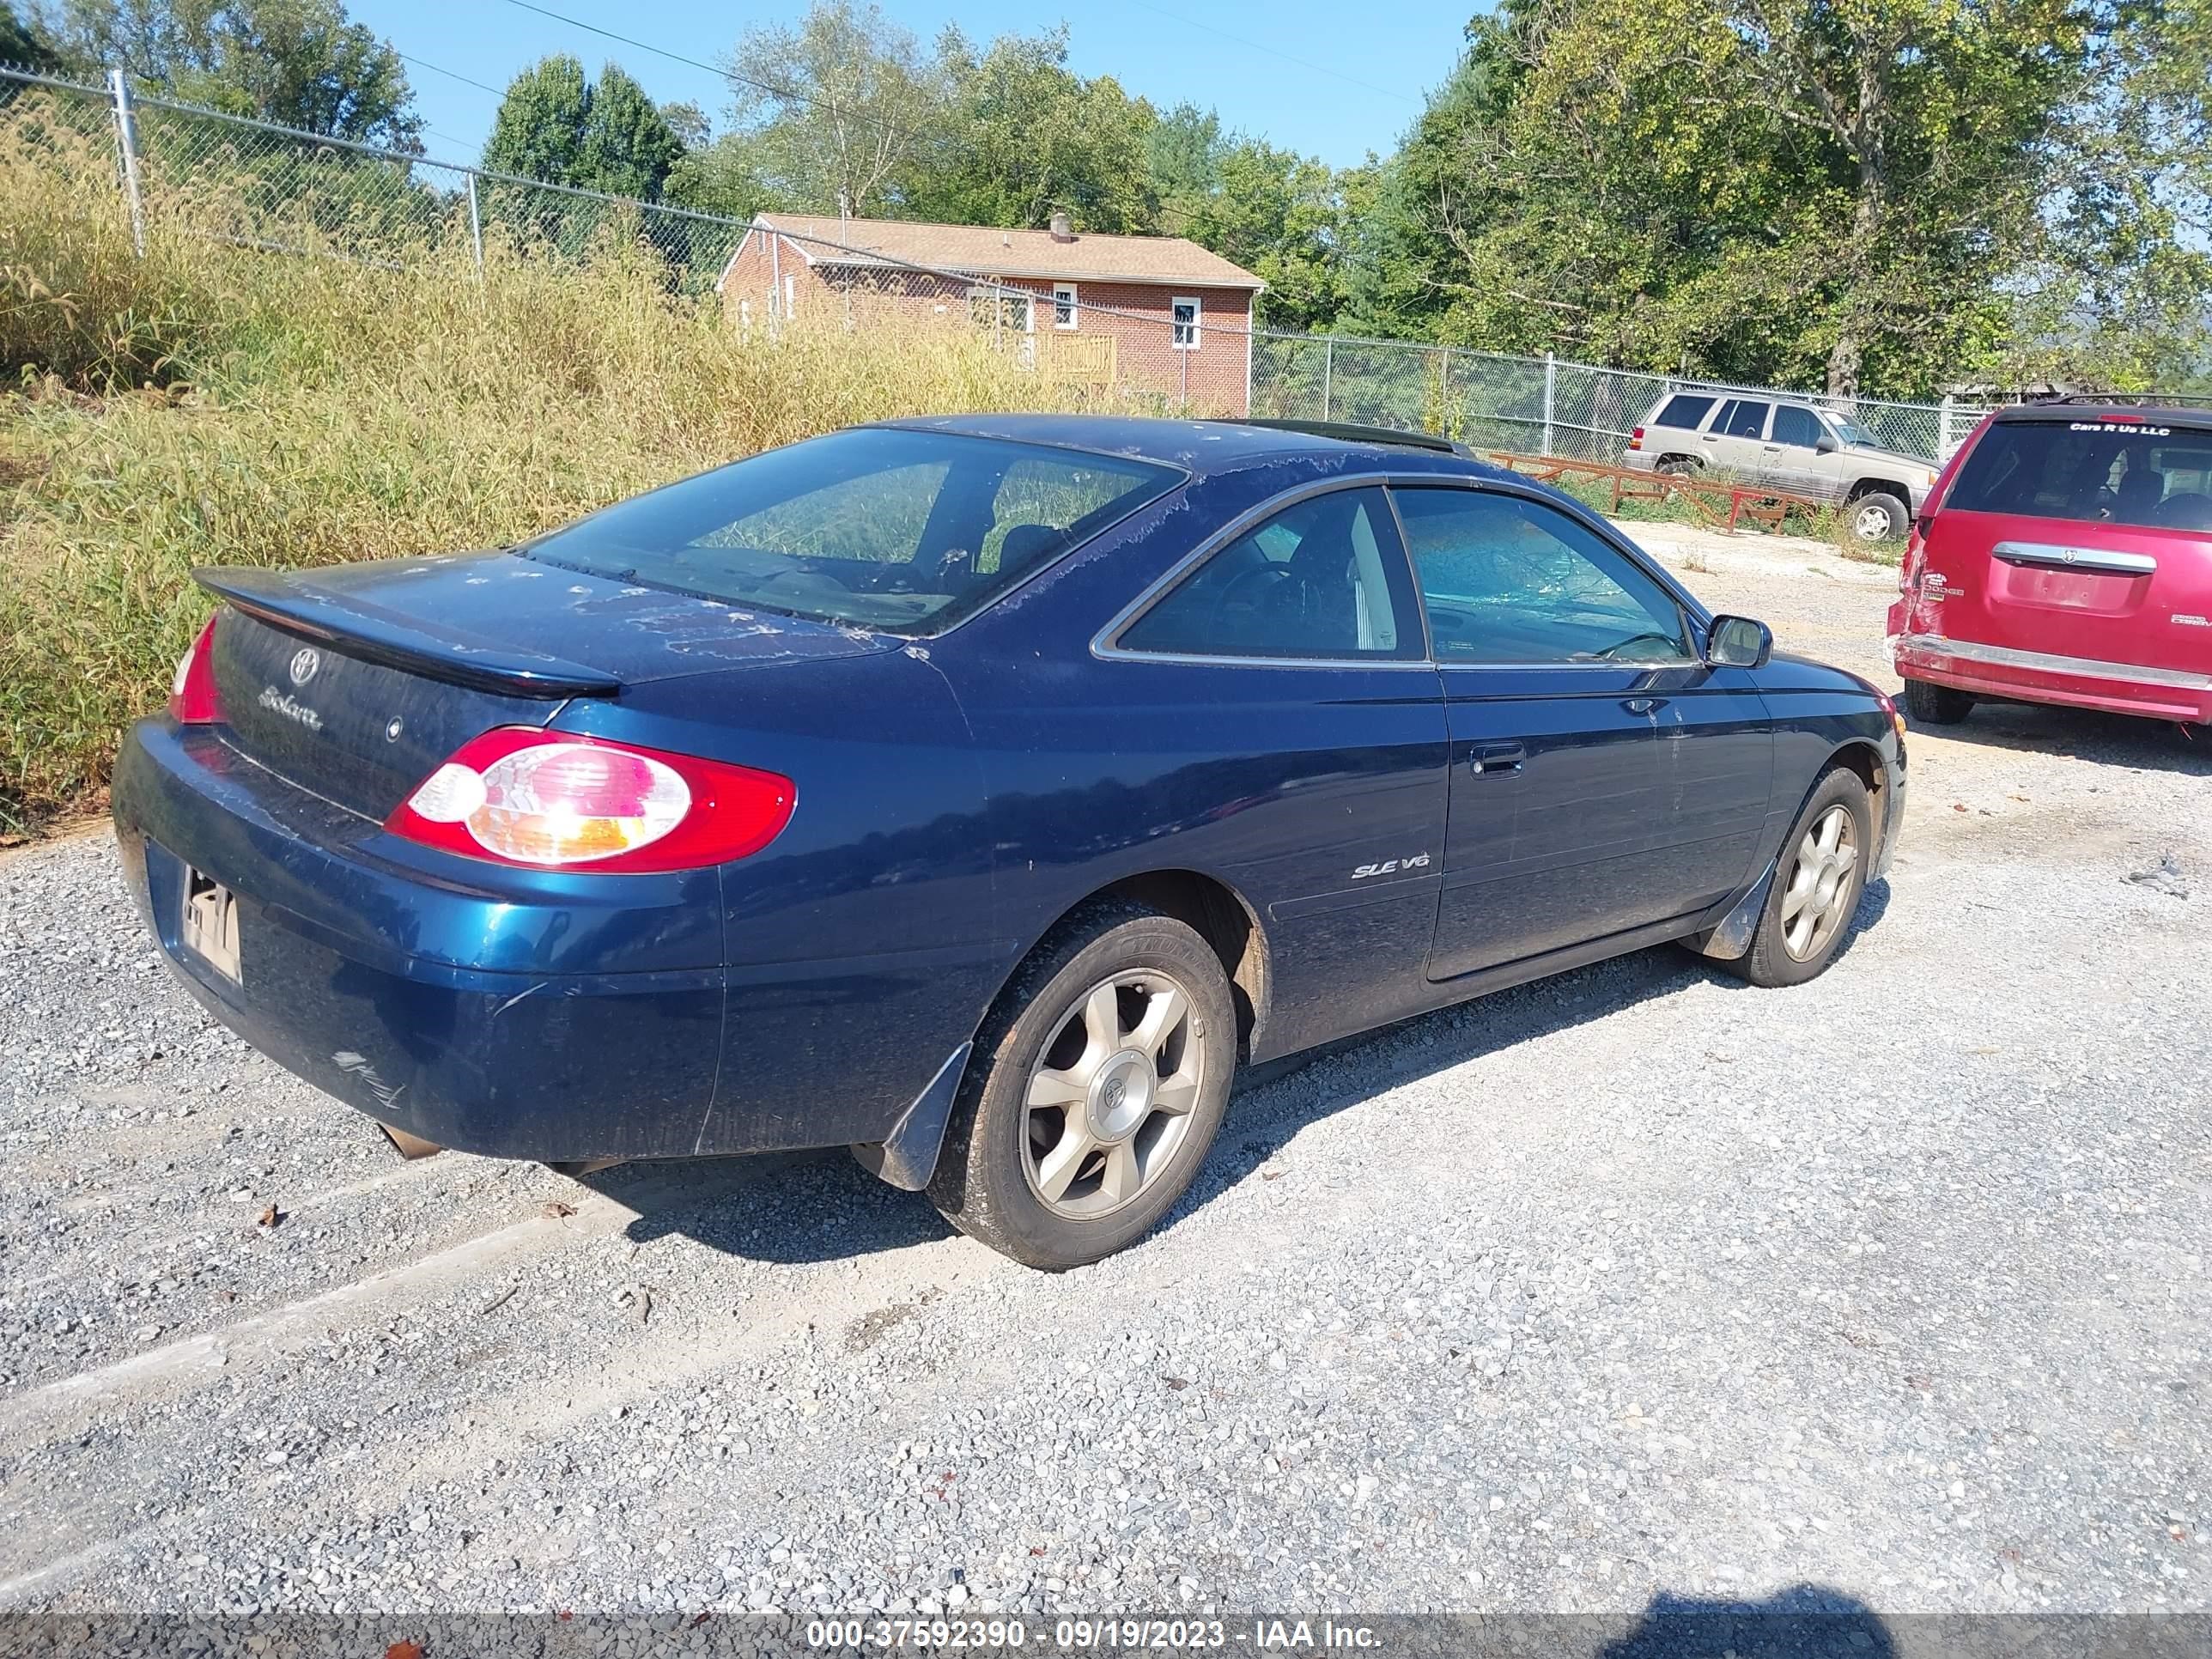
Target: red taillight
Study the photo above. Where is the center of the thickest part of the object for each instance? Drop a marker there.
(1636, 438)
(192, 692)
(552, 800)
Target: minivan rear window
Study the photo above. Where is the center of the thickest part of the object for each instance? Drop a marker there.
(2127, 472)
(898, 531)
(1684, 410)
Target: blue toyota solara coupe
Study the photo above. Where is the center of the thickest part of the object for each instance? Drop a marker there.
(977, 793)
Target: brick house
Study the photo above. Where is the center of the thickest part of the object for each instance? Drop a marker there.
(1149, 313)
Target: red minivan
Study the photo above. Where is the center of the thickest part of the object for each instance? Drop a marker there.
(2064, 555)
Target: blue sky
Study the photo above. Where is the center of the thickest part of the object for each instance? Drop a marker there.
(1323, 79)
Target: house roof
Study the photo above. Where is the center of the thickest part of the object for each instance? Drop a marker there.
(986, 251)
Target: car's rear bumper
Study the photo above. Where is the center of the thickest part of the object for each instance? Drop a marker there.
(2166, 693)
(356, 973)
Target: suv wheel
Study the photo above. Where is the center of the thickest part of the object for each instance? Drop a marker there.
(1097, 1086)
(1936, 705)
(1679, 466)
(1878, 516)
(1816, 886)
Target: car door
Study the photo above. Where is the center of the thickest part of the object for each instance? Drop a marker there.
(1273, 710)
(1558, 653)
(1793, 459)
(1734, 440)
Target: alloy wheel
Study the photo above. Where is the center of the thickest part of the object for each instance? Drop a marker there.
(1822, 884)
(1872, 523)
(1108, 1101)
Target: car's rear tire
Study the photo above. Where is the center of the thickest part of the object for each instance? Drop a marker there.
(1817, 882)
(1877, 516)
(1679, 466)
(1098, 1082)
(1929, 704)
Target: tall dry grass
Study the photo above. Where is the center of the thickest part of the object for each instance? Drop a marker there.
(208, 404)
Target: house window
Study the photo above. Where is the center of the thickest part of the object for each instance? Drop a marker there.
(1063, 304)
(1001, 310)
(1184, 311)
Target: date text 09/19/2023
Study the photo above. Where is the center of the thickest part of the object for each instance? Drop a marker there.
(1092, 1635)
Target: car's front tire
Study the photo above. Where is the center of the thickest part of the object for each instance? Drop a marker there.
(1929, 704)
(1816, 886)
(1098, 1082)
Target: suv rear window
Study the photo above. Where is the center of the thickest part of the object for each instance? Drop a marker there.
(2095, 471)
(1684, 410)
(898, 531)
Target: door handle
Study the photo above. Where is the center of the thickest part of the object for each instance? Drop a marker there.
(1490, 758)
(1642, 705)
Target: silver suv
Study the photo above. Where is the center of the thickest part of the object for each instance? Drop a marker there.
(1794, 447)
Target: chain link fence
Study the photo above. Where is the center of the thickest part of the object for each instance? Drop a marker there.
(272, 188)
(1532, 405)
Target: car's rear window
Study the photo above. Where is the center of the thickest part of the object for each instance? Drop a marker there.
(2128, 472)
(899, 531)
(1684, 410)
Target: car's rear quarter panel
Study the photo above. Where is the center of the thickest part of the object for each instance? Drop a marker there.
(862, 945)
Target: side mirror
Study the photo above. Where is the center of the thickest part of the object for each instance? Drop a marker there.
(1738, 642)
(1826, 444)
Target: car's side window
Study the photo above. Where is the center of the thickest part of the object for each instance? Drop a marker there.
(1324, 579)
(1797, 425)
(1746, 419)
(1684, 409)
(1507, 579)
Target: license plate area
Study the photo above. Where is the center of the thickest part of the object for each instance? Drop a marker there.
(210, 924)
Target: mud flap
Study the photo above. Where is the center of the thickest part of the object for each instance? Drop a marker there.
(907, 1157)
(1731, 936)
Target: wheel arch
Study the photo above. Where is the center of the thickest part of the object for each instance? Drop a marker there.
(1861, 755)
(1221, 915)
(1874, 484)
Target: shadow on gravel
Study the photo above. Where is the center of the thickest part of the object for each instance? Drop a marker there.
(2081, 734)
(1806, 1621)
(821, 1207)
(783, 1207)
(1275, 1101)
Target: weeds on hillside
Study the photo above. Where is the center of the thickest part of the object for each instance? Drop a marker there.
(209, 403)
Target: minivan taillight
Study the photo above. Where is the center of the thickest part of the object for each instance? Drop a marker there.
(552, 800)
(191, 690)
(1636, 438)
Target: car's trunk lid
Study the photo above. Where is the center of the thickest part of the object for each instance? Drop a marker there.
(355, 681)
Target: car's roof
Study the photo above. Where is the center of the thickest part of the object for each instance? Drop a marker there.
(1196, 447)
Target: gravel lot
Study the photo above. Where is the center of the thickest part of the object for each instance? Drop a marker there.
(1632, 1282)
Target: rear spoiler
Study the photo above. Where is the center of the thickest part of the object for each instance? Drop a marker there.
(291, 604)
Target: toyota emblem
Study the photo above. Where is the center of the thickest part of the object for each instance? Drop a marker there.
(305, 662)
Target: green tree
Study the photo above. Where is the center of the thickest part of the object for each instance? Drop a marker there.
(1024, 136)
(1277, 214)
(1855, 191)
(538, 131)
(835, 109)
(22, 44)
(298, 63)
(722, 177)
(628, 146)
